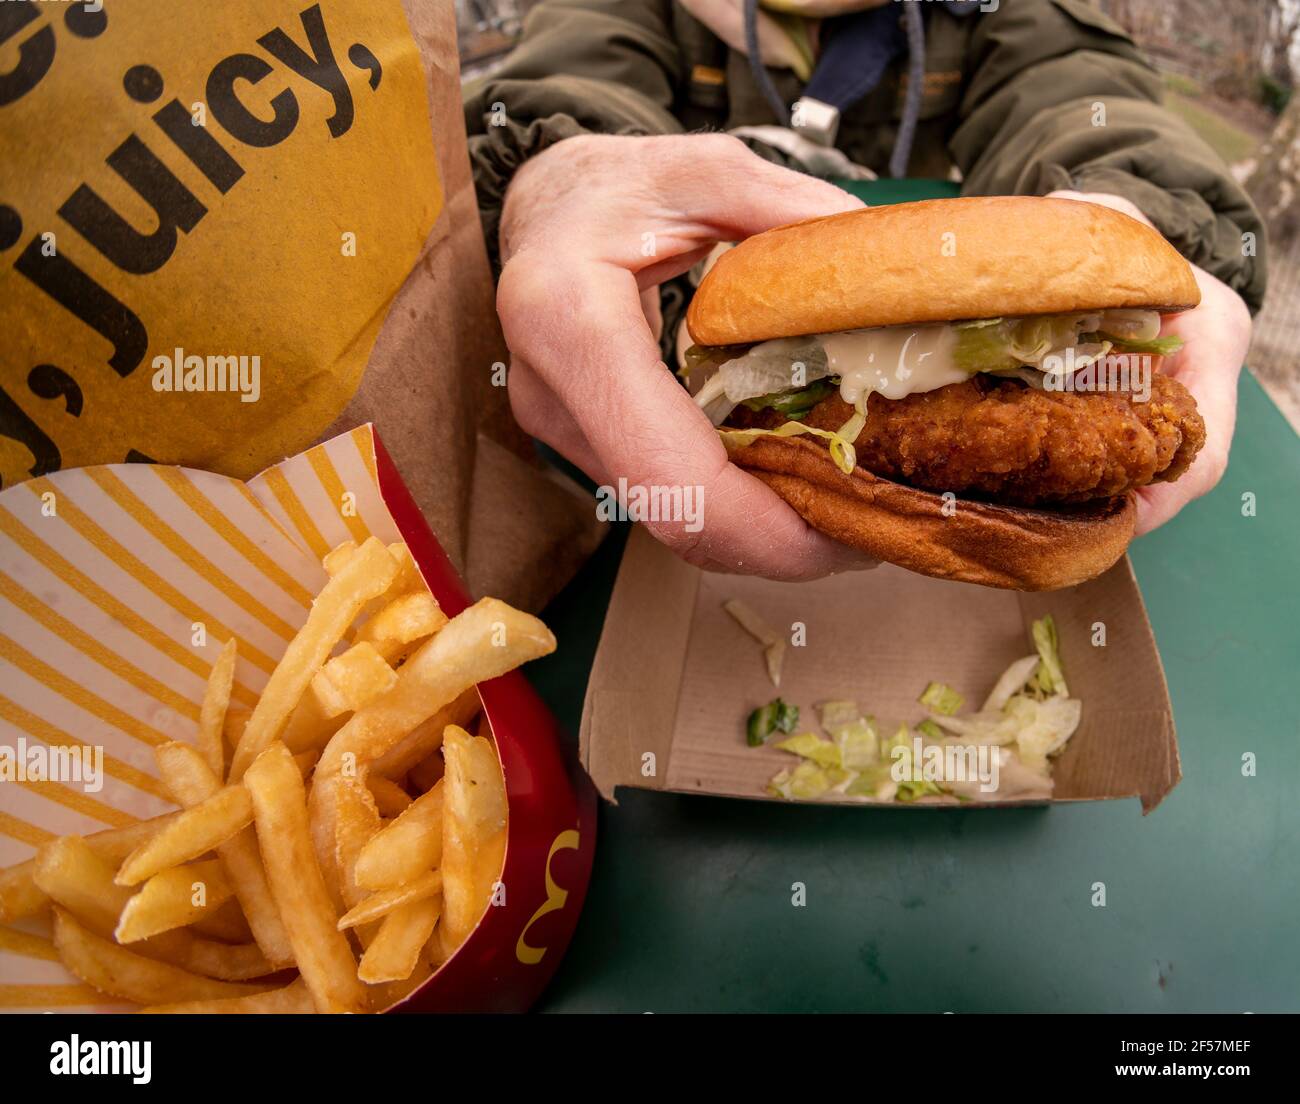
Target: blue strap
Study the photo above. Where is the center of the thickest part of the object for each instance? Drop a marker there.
(856, 50)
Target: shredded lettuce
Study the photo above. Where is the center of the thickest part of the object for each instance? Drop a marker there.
(1012, 681)
(1027, 719)
(914, 791)
(1050, 676)
(930, 730)
(942, 699)
(808, 745)
(858, 744)
(875, 782)
(833, 714)
(983, 347)
(1047, 725)
(1002, 345)
(901, 742)
(807, 781)
(769, 368)
(1159, 346)
(841, 441)
(772, 641)
(979, 728)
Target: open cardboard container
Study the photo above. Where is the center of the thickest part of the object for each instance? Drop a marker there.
(675, 676)
(103, 573)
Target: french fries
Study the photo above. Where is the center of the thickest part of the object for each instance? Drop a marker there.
(198, 829)
(473, 833)
(212, 714)
(337, 820)
(418, 746)
(322, 952)
(82, 884)
(393, 953)
(385, 994)
(292, 1000)
(233, 728)
(357, 824)
(403, 621)
(21, 897)
(405, 849)
(352, 680)
(192, 782)
(428, 772)
(121, 973)
(337, 556)
(389, 796)
(174, 898)
(484, 641)
(408, 573)
(385, 901)
(309, 727)
(366, 575)
(202, 956)
(226, 923)
(73, 876)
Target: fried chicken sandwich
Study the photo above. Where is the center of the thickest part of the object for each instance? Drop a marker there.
(969, 388)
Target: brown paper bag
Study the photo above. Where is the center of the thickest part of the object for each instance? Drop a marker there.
(264, 233)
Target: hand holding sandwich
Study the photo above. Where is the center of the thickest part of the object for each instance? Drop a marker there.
(985, 371)
(1215, 335)
(590, 225)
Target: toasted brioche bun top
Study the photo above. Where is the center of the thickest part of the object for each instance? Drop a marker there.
(940, 260)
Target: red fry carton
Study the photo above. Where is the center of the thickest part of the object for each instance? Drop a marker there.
(119, 584)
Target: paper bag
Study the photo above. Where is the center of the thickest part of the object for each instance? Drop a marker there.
(264, 232)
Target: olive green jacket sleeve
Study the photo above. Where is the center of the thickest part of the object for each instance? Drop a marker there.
(1059, 97)
(581, 66)
(1034, 96)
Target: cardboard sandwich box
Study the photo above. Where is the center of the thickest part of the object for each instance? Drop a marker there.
(675, 676)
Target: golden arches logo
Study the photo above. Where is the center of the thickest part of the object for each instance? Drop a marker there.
(555, 899)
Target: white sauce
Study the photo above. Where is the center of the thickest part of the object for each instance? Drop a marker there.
(896, 361)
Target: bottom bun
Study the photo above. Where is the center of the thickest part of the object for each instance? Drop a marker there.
(1013, 547)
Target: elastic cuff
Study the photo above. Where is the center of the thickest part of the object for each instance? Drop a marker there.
(497, 155)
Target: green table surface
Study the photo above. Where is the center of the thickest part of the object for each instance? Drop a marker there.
(969, 910)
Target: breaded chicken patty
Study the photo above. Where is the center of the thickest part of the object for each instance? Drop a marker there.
(999, 439)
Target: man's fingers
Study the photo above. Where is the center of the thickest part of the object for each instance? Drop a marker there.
(1104, 199)
(693, 191)
(653, 310)
(757, 195)
(640, 202)
(809, 556)
(649, 279)
(587, 339)
(1216, 336)
(745, 528)
(1158, 503)
(540, 414)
